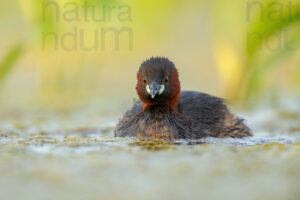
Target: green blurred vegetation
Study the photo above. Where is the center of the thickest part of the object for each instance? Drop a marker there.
(9, 60)
(275, 20)
(261, 39)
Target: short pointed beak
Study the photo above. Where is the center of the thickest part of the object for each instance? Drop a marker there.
(154, 88)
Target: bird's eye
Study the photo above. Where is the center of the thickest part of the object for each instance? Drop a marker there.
(145, 81)
(166, 80)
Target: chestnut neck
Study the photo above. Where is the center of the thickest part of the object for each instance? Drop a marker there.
(172, 102)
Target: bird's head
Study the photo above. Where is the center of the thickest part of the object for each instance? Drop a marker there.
(158, 83)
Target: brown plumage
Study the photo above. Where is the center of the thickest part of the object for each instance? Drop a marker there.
(165, 112)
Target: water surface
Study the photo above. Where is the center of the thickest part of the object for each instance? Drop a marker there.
(75, 156)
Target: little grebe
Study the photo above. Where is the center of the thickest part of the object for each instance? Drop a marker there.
(167, 113)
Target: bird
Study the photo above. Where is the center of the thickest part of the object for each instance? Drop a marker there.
(166, 112)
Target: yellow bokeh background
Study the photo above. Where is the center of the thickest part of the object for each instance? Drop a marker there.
(207, 41)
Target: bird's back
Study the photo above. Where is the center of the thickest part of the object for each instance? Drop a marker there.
(206, 115)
